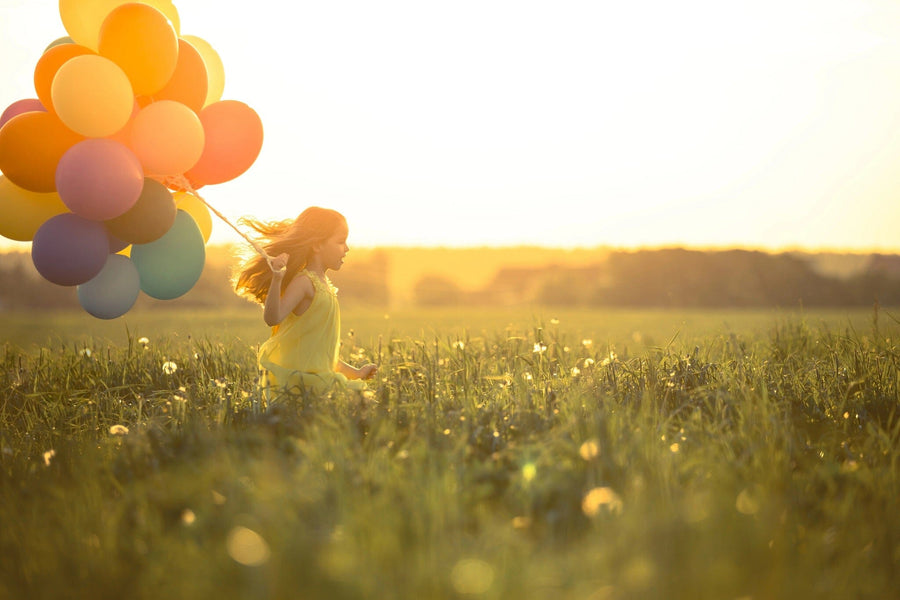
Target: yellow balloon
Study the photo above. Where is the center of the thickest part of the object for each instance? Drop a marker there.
(215, 70)
(92, 95)
(83, 18)
(198, 211)
(23, 212)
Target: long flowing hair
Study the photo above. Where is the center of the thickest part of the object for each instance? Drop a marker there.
(298, 238)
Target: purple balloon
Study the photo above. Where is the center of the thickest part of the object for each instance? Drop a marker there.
(69, 250)
(99, 179)
(21, 106)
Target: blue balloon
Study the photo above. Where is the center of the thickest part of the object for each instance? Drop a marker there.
(171, 265)
(113, 291)
(69, 250)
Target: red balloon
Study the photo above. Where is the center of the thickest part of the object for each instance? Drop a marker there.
(234, 135)
(99, 179)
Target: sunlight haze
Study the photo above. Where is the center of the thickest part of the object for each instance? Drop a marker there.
(769, 124)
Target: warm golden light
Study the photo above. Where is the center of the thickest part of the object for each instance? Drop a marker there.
(766, 124)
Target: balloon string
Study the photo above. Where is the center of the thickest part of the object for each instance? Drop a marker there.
(183, 182)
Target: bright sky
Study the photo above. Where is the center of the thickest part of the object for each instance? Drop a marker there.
(772, 123)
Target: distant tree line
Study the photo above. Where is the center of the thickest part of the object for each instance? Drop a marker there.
(679, 278)
(667, 278)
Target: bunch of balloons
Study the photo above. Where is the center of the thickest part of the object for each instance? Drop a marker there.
(99, 170)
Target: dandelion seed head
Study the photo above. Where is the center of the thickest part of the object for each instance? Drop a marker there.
(118, 430)
(471, 576)
(459, 345)
(554, 321)
(589, 450)
(576, 371)
(527, 376)
(601, 498)
(85, 352)
(747, 502)
(247, 547)
(169, 367)
(539, 348)
(587, 343)
(588, 363)
(143, 341)
(529, 472)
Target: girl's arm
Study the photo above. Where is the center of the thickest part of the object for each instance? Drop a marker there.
(364, 372)
(279, 305)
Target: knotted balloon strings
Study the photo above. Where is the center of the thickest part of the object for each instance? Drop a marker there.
(180, 181)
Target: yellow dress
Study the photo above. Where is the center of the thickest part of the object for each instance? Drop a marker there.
(302, 353)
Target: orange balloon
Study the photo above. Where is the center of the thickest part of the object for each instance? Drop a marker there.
(84, 18)
(189, 83)
(31, 145)
(49, 64)
(167, 137)
(234, 136)
(215, 70)
(142, 41)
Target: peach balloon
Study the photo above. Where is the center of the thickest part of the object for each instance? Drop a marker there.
(140, 39)
(167, 137)
(31, 145)
(92, 96)
(48, 65)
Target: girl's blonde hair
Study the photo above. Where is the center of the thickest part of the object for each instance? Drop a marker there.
(298, 238)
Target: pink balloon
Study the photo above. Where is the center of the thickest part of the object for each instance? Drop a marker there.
(21, 106)
(99, 179)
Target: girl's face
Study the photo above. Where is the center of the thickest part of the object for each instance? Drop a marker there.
(333, 250)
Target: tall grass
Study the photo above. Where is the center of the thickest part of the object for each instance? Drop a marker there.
(525, 460)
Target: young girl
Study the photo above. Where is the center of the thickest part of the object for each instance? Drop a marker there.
(300, 303)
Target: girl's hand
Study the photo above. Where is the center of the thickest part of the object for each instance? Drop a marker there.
(279, 264)
(367, 371)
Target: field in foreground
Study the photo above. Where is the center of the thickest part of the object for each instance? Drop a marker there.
(583, 455)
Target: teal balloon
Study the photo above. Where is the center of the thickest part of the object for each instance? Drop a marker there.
(113, 291)
(171, 265)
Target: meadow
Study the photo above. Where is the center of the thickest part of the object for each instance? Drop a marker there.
(499, 453)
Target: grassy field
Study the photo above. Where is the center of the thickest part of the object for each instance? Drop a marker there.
(499, 454)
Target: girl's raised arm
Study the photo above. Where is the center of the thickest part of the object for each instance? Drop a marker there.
(279, 305)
